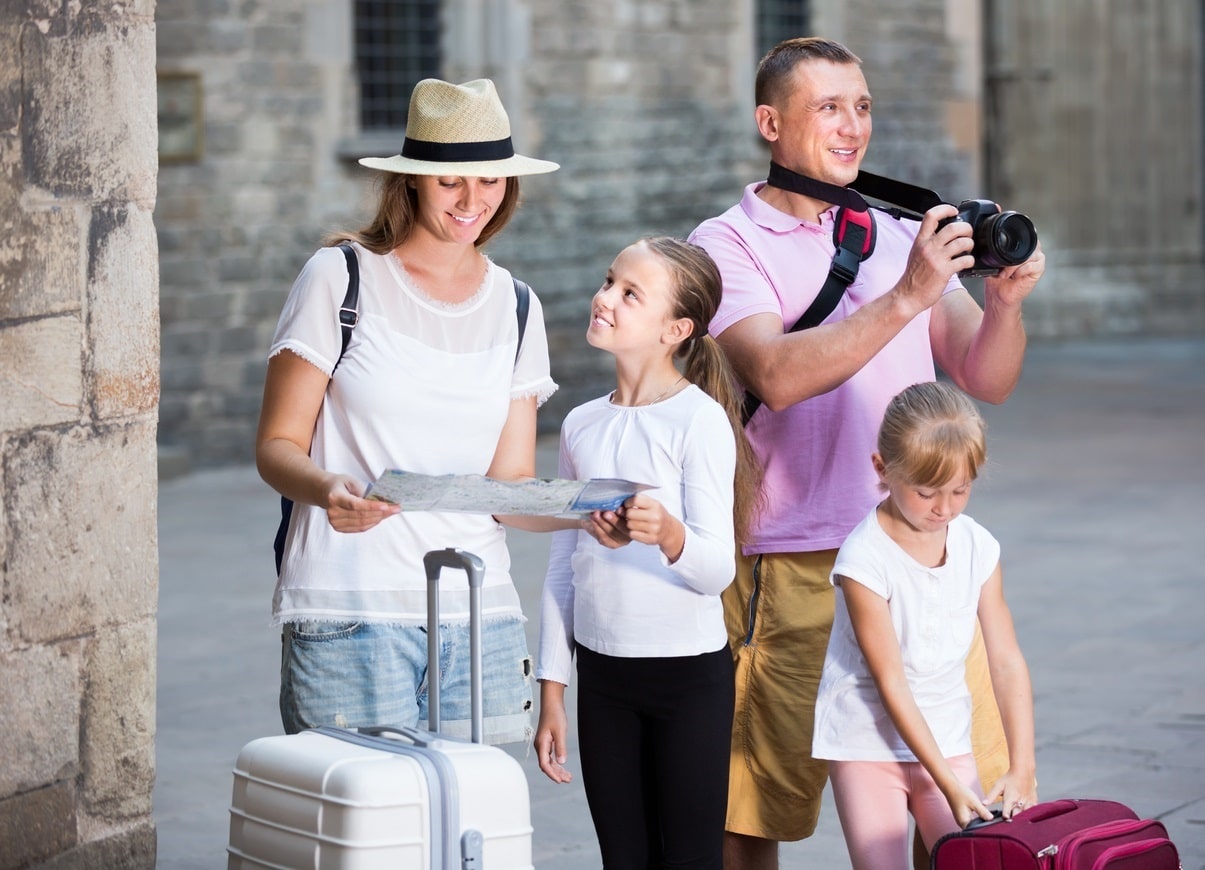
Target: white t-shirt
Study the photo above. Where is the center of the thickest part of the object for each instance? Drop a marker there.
(933, 611)
(630, 602)
(424, 387)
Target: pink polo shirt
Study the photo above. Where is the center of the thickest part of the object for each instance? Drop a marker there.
(819, 481)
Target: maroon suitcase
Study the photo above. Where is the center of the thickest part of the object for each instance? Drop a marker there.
(1061, 835)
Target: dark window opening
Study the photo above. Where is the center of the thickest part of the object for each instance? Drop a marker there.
(781, 19)
(397, 46)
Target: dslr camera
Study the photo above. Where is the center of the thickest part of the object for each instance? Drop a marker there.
(1002, 238)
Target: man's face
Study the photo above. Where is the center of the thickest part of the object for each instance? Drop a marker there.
(823, 127)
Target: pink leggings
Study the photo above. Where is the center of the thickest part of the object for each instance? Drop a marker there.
(874, 798)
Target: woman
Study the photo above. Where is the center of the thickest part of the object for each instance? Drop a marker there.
(434, 380)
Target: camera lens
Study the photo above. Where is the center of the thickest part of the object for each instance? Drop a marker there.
(1005, 239)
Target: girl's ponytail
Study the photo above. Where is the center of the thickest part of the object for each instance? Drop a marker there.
(697, 296)
(708, 368)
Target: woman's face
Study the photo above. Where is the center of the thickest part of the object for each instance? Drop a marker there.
(457, 208)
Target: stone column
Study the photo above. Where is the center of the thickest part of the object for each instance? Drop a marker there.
(79, 391)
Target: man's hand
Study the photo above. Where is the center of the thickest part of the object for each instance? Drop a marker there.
(937, 255)
(1014, 283)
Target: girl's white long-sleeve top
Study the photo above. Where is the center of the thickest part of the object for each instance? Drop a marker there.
(631, 602)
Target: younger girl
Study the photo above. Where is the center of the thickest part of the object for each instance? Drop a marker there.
(656, 678)
(893, 712)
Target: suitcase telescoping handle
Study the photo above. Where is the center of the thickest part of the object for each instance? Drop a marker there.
(434, 562)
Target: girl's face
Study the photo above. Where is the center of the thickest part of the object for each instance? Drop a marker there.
(925, 508)
(632, 310)
(457, 208)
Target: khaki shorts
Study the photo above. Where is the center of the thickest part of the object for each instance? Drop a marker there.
(779, 611)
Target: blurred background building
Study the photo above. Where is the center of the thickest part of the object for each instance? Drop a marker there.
(1083, 114)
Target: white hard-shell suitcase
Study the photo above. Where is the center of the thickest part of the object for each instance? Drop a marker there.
(403, 798)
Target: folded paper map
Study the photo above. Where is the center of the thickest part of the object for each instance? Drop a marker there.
(477, 494)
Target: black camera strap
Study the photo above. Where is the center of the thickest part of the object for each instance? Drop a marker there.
(853, 236)
(901, 193)
(785, 179)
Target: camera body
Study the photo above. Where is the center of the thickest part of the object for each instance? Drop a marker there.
(1002, 238)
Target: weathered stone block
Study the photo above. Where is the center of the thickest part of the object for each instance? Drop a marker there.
(43, 379)
(100, 147)
(39, 716)
(123, 277)
(129, 849)
(36, 825)
(117, 749)
(82, 530)
(38, 273)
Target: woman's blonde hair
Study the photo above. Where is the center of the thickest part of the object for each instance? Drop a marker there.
(397, 210)
(696, 296)
(931, 433)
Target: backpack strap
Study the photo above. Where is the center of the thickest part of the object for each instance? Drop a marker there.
(854, 236)
(522, 304)
(349, 311)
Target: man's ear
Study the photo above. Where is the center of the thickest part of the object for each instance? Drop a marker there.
(767, 122)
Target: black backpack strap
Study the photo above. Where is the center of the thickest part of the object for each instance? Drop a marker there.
(522, 304)
(349, 316)
(349, 311)
(853, 234)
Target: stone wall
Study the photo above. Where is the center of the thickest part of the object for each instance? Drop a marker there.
(79, 340)
(647, 105)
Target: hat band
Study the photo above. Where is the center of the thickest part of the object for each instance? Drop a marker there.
(457, 152)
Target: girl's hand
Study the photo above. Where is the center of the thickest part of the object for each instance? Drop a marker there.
(551, 737)
(348, 511)
(966, 805)
(1015, 790)
(649, 522)
(608, 528)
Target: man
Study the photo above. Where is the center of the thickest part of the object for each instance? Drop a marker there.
(824, 392)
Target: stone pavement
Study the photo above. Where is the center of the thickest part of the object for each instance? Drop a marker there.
(1095, 488)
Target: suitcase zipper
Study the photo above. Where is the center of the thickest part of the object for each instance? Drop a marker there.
(1072, 845)
(1146, 849)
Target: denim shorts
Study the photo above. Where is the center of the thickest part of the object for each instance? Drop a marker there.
(362, 674)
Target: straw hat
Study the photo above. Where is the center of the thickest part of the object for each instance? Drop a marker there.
(458, 130)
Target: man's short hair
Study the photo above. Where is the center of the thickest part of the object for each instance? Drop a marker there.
(774, 72)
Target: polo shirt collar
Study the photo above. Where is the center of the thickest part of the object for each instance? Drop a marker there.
(768, 217)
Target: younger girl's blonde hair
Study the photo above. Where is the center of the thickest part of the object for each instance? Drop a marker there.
(930, 433)
(697, 288)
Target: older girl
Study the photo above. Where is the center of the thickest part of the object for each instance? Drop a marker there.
(655, 689)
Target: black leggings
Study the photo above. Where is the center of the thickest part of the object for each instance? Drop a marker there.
(655, 739)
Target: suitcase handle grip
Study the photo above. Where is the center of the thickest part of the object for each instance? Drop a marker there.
(434, 562)
(414, 735)
(1051, 809)
(976, 823)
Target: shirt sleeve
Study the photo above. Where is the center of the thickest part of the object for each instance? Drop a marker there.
(309, 321)
(532, 370)
(708, 560)
(556, 602)
(747, 289)
(860, 559)
(986, 554)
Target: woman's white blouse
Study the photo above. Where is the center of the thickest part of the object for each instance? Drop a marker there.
(424, 387)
